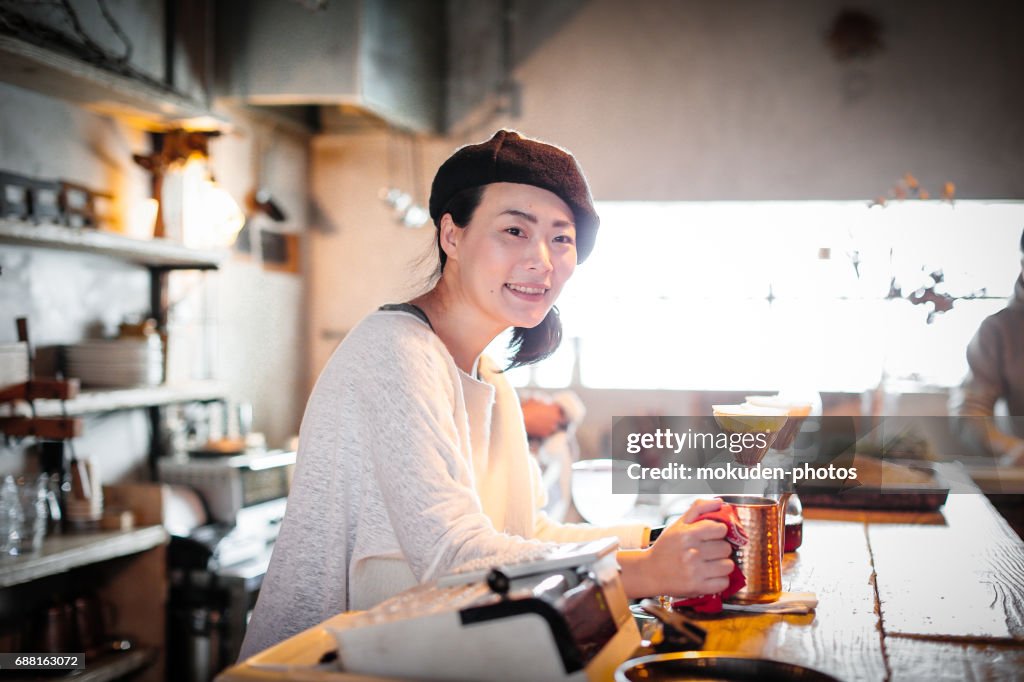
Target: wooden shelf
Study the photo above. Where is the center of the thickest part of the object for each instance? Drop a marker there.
(105, 668)
(96, 401)
(140, 104)
(158, 253)
(62, 553)
(114, 666)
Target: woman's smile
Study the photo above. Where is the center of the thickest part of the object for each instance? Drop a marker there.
(534, 293)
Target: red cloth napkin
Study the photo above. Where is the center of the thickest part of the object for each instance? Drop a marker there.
(737, 537)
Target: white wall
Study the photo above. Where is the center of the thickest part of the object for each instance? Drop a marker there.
(360, 257)
(261, 313)
(688, 99)
(256, 316)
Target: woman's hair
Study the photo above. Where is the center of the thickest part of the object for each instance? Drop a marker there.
(529, 344)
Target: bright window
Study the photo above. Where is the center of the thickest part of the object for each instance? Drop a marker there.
(773, 295)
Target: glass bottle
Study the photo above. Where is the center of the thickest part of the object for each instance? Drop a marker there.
(794, 523)
(10, 508)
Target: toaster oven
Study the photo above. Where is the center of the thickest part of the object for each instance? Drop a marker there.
(230, 485)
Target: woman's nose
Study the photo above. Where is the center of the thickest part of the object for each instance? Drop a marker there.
(539, 256)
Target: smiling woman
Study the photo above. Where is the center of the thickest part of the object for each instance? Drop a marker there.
(413, 458)
(507, 265)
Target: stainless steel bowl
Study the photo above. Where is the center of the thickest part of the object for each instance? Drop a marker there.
(714, 665)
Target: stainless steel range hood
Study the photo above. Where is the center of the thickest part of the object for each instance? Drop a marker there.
(381, 57)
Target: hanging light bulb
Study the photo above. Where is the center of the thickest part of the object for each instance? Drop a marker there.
(193, 209)
(210, 217)
(415, 217)
(407, 212)
(223, 219)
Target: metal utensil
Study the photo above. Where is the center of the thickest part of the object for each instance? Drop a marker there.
(677, 632)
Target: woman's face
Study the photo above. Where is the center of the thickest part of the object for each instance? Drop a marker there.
(514, 256)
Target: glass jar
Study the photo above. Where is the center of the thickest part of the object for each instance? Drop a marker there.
(35, 511)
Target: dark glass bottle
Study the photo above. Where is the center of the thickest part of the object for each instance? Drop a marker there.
(794, 523)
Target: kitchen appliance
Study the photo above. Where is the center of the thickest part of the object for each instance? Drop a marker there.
(232, 485)
(216, 570)
(561, 616)
(216, 573)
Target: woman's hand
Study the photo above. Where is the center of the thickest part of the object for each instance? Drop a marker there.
(542, 418)
(689, 559)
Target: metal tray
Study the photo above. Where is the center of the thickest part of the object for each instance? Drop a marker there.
(909, 497)
(714, 665)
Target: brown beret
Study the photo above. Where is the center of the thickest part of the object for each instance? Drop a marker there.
(510, 157)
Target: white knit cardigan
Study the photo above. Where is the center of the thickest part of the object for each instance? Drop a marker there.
(407, 468)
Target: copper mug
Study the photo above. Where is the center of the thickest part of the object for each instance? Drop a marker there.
(760, 559)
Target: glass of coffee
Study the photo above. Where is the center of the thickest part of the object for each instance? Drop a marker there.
(758, 427)
(796, 410)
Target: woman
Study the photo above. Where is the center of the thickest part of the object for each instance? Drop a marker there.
(413, 459)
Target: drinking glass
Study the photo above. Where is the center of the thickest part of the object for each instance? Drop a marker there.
(11, 518)
(749, 419)
(35, 512)
(797, 411)
(592, 490)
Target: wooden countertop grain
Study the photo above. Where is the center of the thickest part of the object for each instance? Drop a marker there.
(902, 596)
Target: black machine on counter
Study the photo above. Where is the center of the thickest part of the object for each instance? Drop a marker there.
(563, 616)
(216, 569)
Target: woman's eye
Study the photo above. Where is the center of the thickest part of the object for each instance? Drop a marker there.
(514, 231)
(565, 239)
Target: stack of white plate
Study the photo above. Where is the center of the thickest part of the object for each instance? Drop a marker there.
(13, 363)
(81, 510)
(117, 362)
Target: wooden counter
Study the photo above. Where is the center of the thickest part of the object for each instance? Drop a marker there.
(902, 596)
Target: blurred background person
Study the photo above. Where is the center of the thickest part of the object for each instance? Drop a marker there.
(551, 423)
(995, 357)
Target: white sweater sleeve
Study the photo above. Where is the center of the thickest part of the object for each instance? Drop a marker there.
(426, 486)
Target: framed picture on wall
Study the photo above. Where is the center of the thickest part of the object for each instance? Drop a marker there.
(280, 251)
